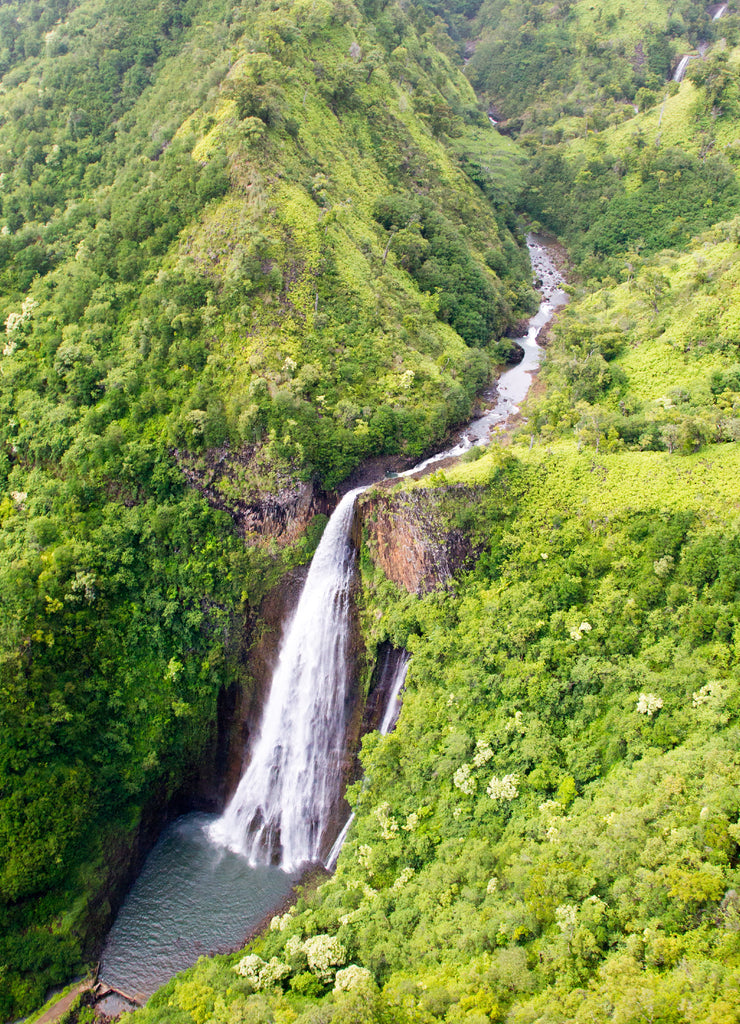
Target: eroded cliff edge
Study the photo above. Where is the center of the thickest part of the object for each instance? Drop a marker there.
(420, 538)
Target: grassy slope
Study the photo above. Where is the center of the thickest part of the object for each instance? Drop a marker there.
(674, 368)
(315, 219)
(603, 885)
(671, 121)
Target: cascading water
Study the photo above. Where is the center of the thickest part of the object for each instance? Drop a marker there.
(393, 707)
(281, 809)
(195, 896)
(390, 717)
(680, 73)
(282, 806)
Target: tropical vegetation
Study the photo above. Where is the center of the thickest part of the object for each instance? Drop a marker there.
(245, 248)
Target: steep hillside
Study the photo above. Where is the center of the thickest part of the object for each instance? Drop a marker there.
(650, 184)
(625, 161)
(563, 69)
(238, 255)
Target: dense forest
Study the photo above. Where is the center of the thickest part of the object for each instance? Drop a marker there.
(245, 248)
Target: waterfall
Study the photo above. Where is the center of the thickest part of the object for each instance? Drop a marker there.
(284, 801)
(392, 711)
(393, 707)
(331, 861)
(282, 805)
(679, 73)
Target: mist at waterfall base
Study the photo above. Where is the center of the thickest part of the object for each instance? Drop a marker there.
(211, 879)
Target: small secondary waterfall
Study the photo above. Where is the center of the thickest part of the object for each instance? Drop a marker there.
(392, 711)
(393, 707)
(282, 805)
(680, 72)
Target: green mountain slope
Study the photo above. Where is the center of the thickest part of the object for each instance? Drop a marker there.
(650, 184)
(230, 237)
(559, 70)
(241, 251)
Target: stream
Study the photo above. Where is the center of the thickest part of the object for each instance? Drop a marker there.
(513, 384)
(211, 879)
(716, 11)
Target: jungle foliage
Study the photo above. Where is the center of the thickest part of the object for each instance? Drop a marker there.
(624, 160)
(559, 70)
(241, 248)
(191, 278)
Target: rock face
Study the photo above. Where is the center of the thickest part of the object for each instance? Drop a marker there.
(387, 660)
(417, 537)
(264, 504)
(240, 707)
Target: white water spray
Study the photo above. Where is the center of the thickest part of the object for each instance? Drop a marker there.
(281, 808)
(283, 805)
(390, 717)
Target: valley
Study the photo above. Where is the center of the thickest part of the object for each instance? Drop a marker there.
(250, 253)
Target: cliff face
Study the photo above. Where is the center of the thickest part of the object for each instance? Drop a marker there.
(240, 707)
(264, 504)
(417, 537)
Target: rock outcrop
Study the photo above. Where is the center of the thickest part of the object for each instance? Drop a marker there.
(264, 504)
(417, 537)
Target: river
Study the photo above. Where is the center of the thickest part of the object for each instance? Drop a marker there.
(211, 879)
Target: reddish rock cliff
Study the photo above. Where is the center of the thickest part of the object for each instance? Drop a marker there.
(414, 536)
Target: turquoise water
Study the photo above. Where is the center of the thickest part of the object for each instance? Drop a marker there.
(192, 898)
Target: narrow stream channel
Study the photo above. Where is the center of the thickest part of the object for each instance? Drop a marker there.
(197, 895)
